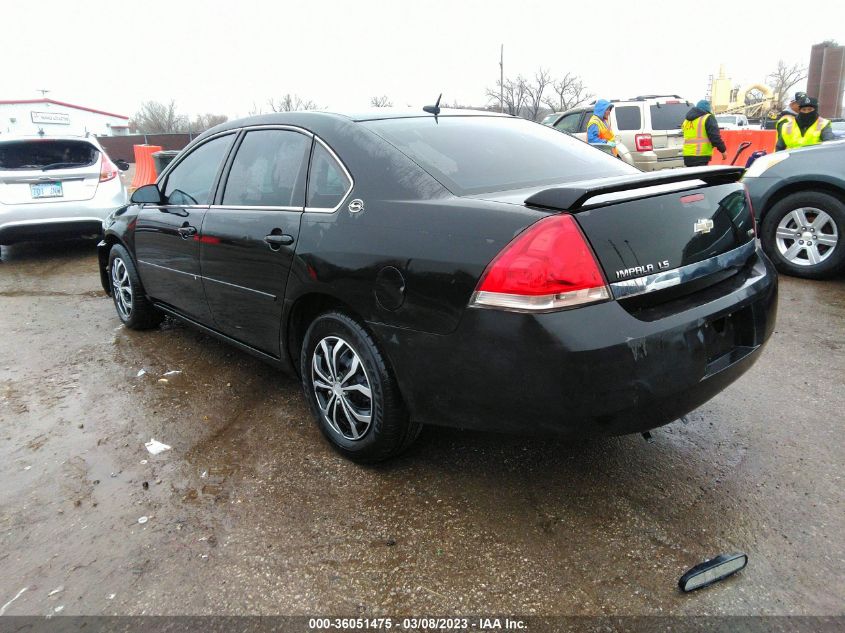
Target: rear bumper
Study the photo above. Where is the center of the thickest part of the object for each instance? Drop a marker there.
(596, 370)
(52, 220)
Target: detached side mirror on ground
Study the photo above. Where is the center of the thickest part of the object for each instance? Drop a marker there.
(121, 164)
(711, 571)
(148, 194)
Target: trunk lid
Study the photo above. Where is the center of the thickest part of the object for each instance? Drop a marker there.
(35, 171)
(654, 231)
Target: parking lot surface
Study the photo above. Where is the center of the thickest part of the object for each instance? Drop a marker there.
(251, 512)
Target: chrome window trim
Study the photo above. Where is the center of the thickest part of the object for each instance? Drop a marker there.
(345, 171)
(246, 207)
(175, 163)
(684, 274)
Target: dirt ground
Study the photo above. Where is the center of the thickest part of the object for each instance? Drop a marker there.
(252, 513)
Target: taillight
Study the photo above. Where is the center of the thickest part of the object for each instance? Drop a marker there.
(108, 169)
(643, 142)
(549, 266)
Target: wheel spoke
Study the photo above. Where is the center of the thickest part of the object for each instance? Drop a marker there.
(813, 254)
(353, 368)
(338, 347)
(826, 240)
(785, 233)
(821, 219)
(792, 252)
(361, 417)
(319, 384)
(315, 365)
(327, 357)
(360, 389)
(799, 217)
(349, 413)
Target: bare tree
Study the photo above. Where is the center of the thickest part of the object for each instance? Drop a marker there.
(203, 122)
(381, 102)
(534, 102)
(291, 103)
(513, 93)
(532, 99)
(155, 117)
(782, 80)
(569, 92)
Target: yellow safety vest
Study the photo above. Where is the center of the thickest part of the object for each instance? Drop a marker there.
(696, 142)
(792, 137)
(605, 133)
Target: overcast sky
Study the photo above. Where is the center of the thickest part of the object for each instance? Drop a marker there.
(225, 56)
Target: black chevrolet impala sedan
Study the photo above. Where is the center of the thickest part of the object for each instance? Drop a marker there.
(462, 269)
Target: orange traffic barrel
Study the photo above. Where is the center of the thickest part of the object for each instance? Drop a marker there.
(145, 169)
(759, 140)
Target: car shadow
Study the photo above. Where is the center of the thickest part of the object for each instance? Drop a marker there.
(70, 250)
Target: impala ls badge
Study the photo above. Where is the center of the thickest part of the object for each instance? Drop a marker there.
(703, 226)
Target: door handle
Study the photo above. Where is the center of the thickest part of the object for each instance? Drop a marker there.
(278, 240)
(187, 231)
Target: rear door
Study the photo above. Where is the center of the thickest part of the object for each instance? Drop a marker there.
(167, 244)
(35, 171)
(249, 236)
(666, 118)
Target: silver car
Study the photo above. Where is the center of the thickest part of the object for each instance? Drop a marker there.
(56, 186)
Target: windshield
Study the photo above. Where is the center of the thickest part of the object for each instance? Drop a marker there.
(668, 116)
(549, 119)
(478, 154)
(47, 154)
(839, 126)
(730, 120)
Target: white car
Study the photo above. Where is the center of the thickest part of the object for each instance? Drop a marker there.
(56, 186)
(732, 121)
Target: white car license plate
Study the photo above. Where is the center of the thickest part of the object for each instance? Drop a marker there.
(47, 190)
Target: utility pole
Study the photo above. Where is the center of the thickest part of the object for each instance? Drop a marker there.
(502, 78)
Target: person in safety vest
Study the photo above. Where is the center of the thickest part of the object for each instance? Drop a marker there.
(789, 112)
(806, 128)
(701, 135)
(598, 128)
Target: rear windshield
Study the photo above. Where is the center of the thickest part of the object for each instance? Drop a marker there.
(668, 116)
(477, 154)
(47, 154)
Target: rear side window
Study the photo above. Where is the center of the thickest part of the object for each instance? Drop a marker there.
(47, 154)
(269, 170)
(476, 154)
(328, 184)
(569, 123)
(628, 118)
(191, 180)
(668, 116)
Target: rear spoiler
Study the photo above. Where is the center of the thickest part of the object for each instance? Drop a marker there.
(575, 196)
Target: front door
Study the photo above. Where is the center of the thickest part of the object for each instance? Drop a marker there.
(167, 244)
(248, 239)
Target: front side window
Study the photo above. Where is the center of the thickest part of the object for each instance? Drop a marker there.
(569, 123)
(327, 182)
(191, 180)
(269, 170)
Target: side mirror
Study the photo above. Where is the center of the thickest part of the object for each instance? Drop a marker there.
(121, 164)
(148, 194)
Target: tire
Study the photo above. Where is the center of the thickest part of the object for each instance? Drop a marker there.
(130, 300)
(363, 429)
(815, 253)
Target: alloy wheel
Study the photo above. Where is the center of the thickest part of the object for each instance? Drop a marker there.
(121, 287)
(342, 388)
(806, 236)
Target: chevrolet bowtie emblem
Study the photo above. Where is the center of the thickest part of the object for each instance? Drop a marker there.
(702, 226)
